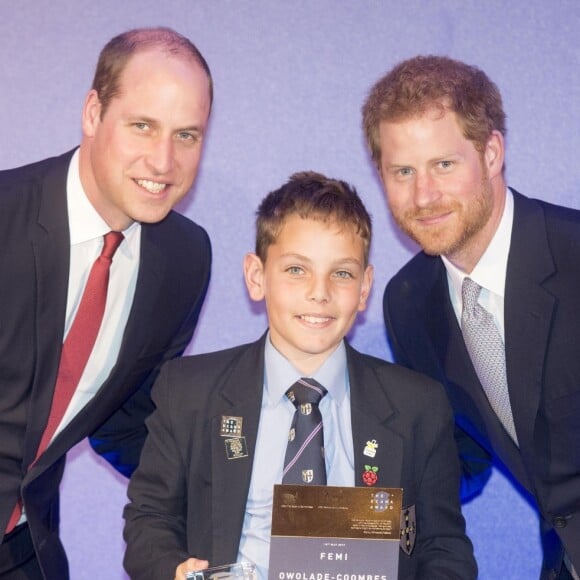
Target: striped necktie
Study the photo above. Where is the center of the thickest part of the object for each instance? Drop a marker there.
(304, 462)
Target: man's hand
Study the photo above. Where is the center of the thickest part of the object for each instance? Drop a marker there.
(190, 565)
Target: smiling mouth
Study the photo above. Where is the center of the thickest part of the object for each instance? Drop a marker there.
(151, 186)
(315, 319)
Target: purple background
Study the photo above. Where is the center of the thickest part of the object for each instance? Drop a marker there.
(290, 80)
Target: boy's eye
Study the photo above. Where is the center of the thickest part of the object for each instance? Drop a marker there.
(445, 164)
(142, 126)
(345, 274)
(295, 270)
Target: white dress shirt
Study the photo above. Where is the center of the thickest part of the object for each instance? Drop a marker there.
(489, 272)
(87, 229)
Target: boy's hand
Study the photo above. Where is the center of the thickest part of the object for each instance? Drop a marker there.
(190, 565)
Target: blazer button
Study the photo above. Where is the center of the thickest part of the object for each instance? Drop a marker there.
(560, 522)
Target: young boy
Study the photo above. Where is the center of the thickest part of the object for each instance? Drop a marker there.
(202, 493)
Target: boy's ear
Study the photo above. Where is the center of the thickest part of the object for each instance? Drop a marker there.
(365, 291)
(254, 276)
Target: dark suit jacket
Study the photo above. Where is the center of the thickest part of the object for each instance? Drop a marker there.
(542, 341)
(34, 265)
(188, 499)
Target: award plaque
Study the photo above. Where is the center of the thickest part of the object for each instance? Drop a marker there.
(335, 533)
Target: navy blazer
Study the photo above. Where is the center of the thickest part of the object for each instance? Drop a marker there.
(173, 276)
(188, 499)
(542, 338)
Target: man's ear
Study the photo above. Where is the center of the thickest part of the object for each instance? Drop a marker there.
(91, 115)
(254, 276)
(494, 154)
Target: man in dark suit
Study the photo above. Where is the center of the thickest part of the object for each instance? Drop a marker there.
(494, 259)
(194, 502)
(143, 126)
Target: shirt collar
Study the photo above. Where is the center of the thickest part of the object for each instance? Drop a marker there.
(280, 373)
(490, 271)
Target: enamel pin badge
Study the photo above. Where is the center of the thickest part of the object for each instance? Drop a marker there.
(231, 427)
(371, 447)
(236, 448)
(370, 474)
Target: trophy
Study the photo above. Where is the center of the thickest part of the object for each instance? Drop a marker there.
(240, 571)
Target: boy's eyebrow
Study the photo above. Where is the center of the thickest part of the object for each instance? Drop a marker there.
(295, 256)
(337, 262)
(346, 259)
(349, 261)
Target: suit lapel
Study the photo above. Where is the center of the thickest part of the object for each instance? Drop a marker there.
(241, 398)
(51, 247)
(377, 448)
(152, 270)
(529, 309)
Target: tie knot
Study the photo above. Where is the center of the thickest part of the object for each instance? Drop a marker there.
(112, 242)
(470, 293)
(305, 391)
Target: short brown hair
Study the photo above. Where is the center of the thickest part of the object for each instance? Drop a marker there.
(311, 195)
(117, 52)
(422, 83)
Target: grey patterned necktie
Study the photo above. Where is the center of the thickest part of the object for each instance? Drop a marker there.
(487, 352)
(304, 461)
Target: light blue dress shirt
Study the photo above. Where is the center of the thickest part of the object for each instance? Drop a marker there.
(275, 420)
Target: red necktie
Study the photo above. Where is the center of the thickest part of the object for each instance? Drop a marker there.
(78, 346)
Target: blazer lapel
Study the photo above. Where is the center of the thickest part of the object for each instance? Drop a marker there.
(232, 460)
(378, 449)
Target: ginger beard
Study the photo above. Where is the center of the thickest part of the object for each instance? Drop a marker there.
(453, 235)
